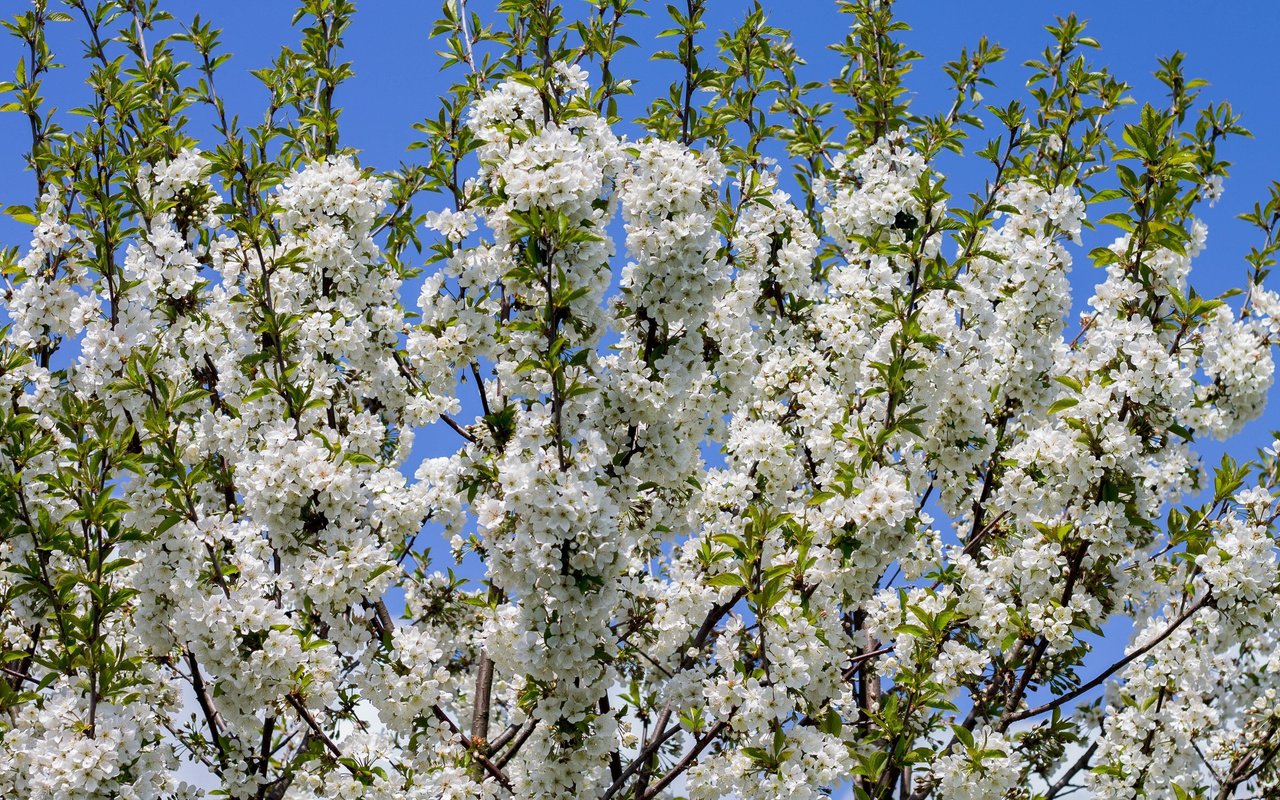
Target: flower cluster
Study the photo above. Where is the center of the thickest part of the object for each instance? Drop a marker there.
(762, 488)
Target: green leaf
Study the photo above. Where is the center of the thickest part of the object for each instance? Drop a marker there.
(1062, 404)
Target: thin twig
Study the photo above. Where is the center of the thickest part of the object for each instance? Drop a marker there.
(305, 714)
(1065, 779)
(1113, 669)
(465, 741)
(688, 760)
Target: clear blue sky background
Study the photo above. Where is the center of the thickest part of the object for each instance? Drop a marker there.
(1232, 45)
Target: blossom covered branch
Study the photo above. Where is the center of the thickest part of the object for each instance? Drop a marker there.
(775, 470)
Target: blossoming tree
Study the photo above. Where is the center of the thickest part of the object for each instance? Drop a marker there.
(780, 471)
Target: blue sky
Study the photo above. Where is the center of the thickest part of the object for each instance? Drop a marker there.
(397, 79)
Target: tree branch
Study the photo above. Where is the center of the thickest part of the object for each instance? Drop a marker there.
(1061, 700)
